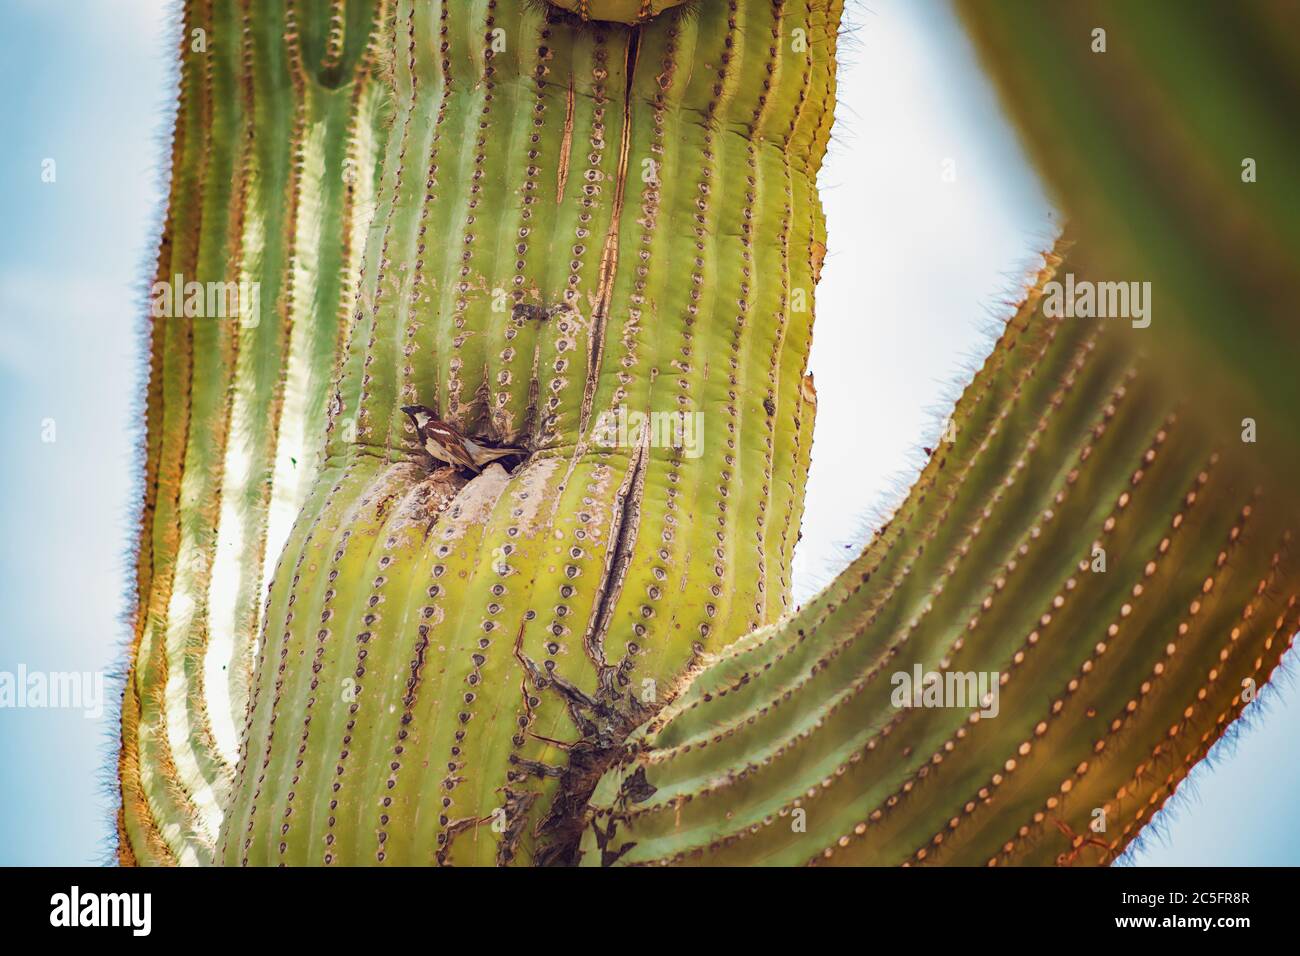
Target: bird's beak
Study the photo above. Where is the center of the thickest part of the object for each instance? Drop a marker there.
(412, 409)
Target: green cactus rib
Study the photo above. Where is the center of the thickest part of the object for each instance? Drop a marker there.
(790, 747)
(273, 97)
(1147, 145)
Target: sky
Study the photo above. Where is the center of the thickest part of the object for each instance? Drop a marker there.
(918, 269)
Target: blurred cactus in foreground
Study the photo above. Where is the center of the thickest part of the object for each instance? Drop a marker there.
(1169, 133)
(548, 228)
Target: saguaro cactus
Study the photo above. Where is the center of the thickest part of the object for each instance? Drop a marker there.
(552, 226)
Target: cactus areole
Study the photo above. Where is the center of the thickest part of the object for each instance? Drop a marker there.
(473, 544)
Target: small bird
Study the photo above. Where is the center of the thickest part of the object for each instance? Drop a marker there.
(538, 313)
(445, 443)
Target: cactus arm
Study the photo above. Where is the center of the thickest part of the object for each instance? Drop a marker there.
(1182, 96)
(790, 748)
(236, 403)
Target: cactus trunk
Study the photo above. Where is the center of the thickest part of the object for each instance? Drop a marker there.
(560, 242)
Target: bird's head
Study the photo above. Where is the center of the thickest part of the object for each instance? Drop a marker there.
(421, 415)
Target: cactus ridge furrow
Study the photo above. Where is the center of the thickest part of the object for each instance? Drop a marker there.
(293, 635)
(379, 568)
(323, 681)
(465, 348)
(702, 294)
(159, 794)
(395, 173)
(186, 724)
(303, 534)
